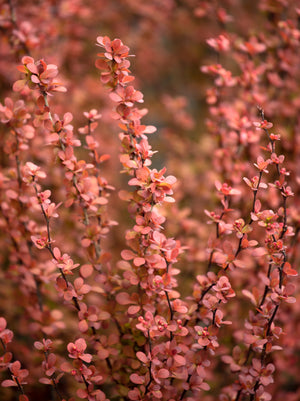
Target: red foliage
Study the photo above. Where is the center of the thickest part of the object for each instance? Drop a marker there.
(163, 306)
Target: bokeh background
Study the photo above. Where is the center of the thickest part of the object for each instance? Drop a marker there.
(205, 130)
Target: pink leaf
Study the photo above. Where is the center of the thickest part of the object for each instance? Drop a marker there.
(8, 383)
(138, 261)
(35, 79)
(123, 298)
(44, 380)
(68, 117)
(136, 379)
(83, 326)
(179, 307)
(150, 129)
(86, 358)
(81, 393)
(163, 373)
(133, 309)
(104, 315)
(288, 270)
(56, 253)
(86, 242)
(115, 97)
(18, 85)
(127, 254)
(103, 354)
(86, 270)
(205, 386)
(142, 357)
(239, 263)
(2, 323)
(180, 360)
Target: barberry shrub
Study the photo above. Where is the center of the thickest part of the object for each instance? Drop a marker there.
(140, 285)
